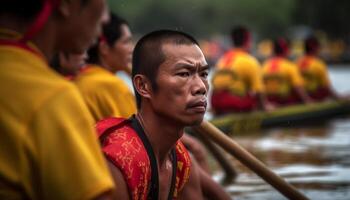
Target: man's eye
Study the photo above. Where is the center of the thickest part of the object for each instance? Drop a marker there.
(183, 74)
(204, 74)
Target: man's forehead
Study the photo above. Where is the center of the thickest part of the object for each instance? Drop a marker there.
(182, 51)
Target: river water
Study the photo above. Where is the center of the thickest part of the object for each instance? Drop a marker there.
(316, 160)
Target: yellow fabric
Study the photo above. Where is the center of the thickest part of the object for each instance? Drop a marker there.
(314, 72)
(105, 94)
(281, 77)
(48, 148)
(238, 72)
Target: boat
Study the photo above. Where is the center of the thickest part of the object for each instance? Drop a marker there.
(288, 116)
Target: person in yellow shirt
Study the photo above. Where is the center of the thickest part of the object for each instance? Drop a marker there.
(283, 82)
(237, 82)
(105, 94)
(48, 148)
(314, 71)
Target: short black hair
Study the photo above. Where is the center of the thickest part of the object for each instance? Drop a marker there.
(280, 46)
(25, 10)
(240, 36)
(111, 32)
(311, 44)
(148, 54)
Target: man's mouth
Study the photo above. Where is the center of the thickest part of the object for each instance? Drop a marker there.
(198, 106)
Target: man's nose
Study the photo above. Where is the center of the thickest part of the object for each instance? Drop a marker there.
(200, 86)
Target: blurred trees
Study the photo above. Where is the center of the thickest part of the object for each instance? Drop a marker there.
(331, 16)
(204, 18)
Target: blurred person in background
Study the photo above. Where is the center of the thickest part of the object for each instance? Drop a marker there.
(48, 148)
(105, 94)
(69, 64)
(237, 82)
(314, 71)
(284, 84)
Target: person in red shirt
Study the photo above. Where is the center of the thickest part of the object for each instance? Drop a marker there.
(146, 157)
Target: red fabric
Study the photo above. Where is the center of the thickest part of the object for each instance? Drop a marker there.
(224, 102)
(229, 58)
(283, 101)
(304, 63)
(8, 42)
(274, 65)
(320, 94)
(125, 150)
(40, 20)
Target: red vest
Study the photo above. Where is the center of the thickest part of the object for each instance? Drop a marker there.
(125, 148)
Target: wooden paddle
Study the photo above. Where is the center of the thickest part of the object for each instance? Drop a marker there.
(222, 160)
(208, 130)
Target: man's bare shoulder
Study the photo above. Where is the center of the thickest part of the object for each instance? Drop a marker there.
(121, 191)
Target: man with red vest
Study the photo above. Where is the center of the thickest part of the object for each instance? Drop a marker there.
(48, 147)
(314, 71)
(145, 155)
(237, 82)
(283, 82)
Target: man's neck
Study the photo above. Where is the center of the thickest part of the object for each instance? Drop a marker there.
(104, 65)
(161, 132)
(43, 40)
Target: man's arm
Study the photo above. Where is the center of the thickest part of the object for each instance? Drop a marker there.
(202, 186)
(197, 149)
(302, 95)
(263, 104)
(121, 191)
(192, 189)
(210, 188)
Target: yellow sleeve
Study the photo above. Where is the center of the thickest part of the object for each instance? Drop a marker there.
(219, 64)
(71, 164)
(125, 100)
(100, 97)
(102, 104)
(322, 73)
(294, 75)
(252, 74)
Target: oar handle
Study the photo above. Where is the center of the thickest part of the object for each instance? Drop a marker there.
(289, 191)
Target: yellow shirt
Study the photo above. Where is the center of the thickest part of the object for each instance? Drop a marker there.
(314, 72)
(238, 72)
(280, 76)
(48, 148)
(105, 94)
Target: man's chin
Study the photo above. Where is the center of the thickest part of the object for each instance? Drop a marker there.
(197, 121)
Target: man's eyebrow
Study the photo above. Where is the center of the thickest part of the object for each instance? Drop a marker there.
(191, 66)
(205, 67)
(184, 65)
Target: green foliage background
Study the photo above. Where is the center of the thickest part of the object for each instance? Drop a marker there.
(267, 18)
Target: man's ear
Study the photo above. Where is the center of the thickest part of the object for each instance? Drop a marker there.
(142, 86)
(103, 47)
(64, 8)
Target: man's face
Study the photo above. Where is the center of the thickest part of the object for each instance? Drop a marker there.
(82, 25)
(182, 82)
(119, 55)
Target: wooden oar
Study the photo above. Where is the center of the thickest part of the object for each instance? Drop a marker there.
(208, 130)
(219, 156)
